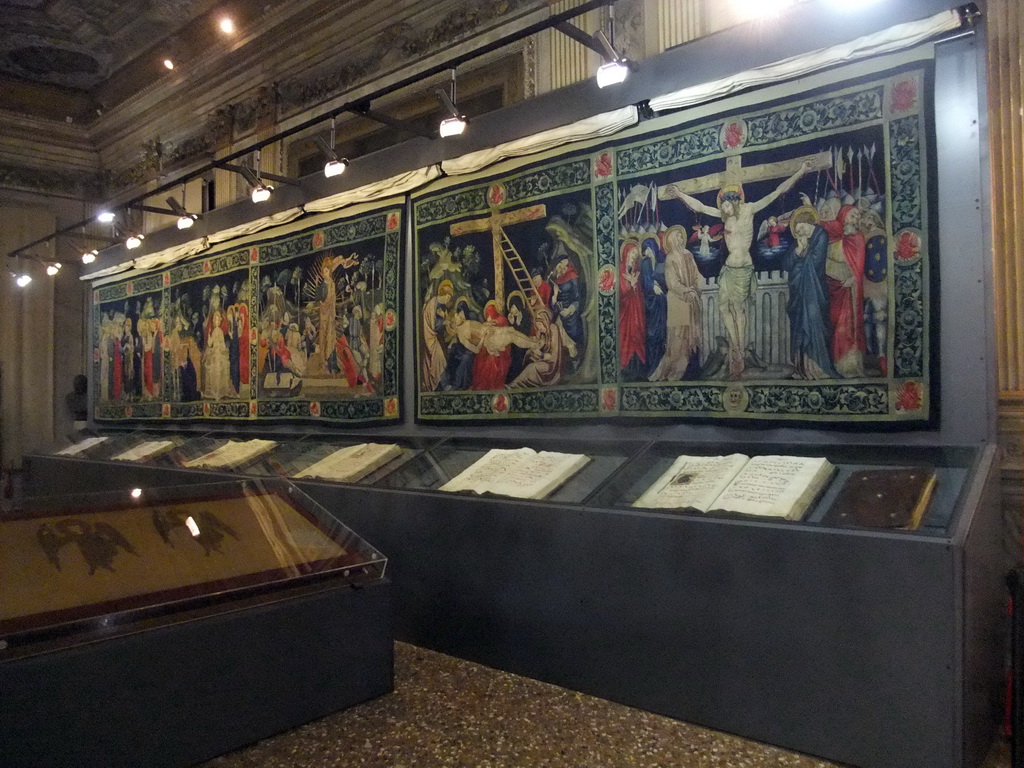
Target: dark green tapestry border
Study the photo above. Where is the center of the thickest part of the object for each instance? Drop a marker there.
(878, 135)
(236, 273)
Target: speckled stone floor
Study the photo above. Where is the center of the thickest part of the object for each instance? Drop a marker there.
(449, 713)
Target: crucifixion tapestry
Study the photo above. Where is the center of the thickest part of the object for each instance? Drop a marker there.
(770, 262)
(303, 325)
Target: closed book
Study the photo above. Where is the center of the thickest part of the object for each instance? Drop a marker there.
(884, 498)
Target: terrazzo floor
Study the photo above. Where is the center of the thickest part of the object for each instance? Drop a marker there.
(449, 713)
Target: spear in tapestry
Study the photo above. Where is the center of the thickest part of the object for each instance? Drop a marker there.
(849, 155)
(871, 167)
(860, 174)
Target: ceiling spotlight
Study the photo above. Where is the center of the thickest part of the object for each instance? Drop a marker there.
(616, 67)
(261, 193)
(134, 241)
(185, 219)
(136, 493)
(53, 269)
(227, 26)
(455, 122)
(105, 217)
(335, 166)
(89, 258)
(22, 280)
(168, 63)
(260, 190)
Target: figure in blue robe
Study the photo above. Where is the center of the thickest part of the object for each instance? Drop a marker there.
(652, 283)
(808, 307)
(568, 309)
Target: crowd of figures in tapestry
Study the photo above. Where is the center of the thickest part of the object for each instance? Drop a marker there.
(302, 326)
(770, 263)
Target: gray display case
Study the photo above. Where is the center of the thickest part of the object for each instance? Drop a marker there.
(756, 627)
(165, 626)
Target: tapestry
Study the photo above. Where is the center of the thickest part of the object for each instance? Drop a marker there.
(772, 262)
(300, 326)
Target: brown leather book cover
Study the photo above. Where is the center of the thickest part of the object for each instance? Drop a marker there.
(883, 498)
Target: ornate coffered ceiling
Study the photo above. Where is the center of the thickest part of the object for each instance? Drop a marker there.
(68, 58)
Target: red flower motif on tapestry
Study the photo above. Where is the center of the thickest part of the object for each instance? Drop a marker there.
(391, 406)
(167, 278)
(252, 407)
(733, 135)
(128, 411)
(603, 165)
(392, 222)
(318, 241)
(314, 408)
(908, 245)
(254, 255)
(904, 95)
(500, 404)
(608, 399)
(496, 195)
(389, 320)
(909, 397)
(165, 410)
(129, 288)
(206, 267)
(607, 278)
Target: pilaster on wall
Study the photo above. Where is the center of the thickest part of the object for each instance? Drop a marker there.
(1005, 20)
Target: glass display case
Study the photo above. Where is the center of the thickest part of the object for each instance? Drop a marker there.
(455, 458)
(82, 564)
(914, 489)
(339, 459)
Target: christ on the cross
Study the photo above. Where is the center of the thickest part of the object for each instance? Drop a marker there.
(737, 281)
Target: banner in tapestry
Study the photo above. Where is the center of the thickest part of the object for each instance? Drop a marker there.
(300, 326)
(773, 262)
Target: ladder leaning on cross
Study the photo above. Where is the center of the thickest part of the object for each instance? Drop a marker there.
(505, 252)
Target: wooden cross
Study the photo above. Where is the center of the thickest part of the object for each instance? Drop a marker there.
(735, 173)
(495, 223)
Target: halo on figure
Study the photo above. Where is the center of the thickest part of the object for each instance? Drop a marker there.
(628, 245)
(731, 192)
(682, 233)
(446, 286)
(805, 214)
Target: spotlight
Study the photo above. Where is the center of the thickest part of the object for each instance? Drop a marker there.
(168, 63)
(335, 166)
(105, 217)
(455, 122)
(134, 241)
(136, 493)
(53, 269)
(89, 258)
(611, 73)
(261, 193)
(260, 190)
(185, 219)
(227, 25)
(616, 67)
(23, 280)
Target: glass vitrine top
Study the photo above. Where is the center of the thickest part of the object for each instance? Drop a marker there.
(78, 564)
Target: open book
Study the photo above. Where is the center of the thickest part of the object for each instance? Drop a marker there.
(233, 453)
(768, 486)
(146, 450)
(522, 472)
(352, 463)
(84, 445)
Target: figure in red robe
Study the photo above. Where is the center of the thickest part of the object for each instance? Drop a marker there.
(632, 327)
(844, 274)
(490, 366)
